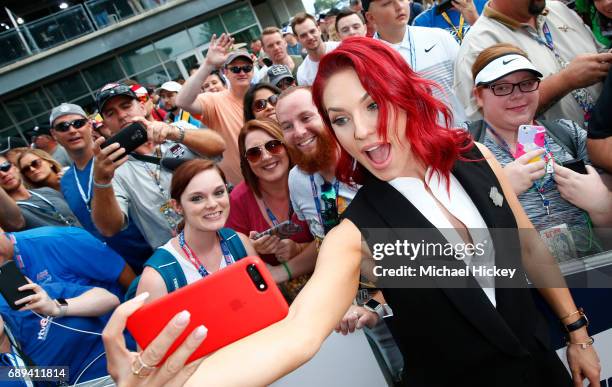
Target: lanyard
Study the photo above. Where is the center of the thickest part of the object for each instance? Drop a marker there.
(85, 197)
(156, 175)
(315, 196)
(459, 30)
(582, 96)
(195, 261)
(500, 140)
(53, 212)
(271, 215)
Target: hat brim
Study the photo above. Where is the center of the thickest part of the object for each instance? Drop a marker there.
(503, 66)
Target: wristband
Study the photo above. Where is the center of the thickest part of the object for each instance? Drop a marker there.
(63, 306)
(98, 185)
(583, 321)
(287, 269)
(181, 134)
(584, 345)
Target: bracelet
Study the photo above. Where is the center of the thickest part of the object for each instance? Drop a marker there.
(287, 269)
(571, 314)
(584, 345)
(181, 134)
(98, 185)
(583, 321)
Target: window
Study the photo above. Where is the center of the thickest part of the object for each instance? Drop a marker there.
(247, 35)
(202, 33)
(173, 45)
(139, 59)
(67, 89)
(103, 73)
(18, 109)
(173, 70)
(238, 18)
(5, 121)
(155, 76)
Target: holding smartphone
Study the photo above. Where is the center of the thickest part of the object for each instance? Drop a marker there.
(576, 166)
(129, 138)
(232, 303)
(444, 6)
(530, 137)
(11, 279)
(283, 230)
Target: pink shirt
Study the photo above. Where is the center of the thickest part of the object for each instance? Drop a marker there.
(245, 216)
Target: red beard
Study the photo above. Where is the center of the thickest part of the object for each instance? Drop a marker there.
(324, 158)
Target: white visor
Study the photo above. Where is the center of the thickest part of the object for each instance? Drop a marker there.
(502, 66)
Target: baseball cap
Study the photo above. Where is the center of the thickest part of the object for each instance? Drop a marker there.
(502, 66)
(111, 90)
(42, 129)
(8, 143)
(238, 54)
(140, 91)
(63, 110)
(287, 30)
(277, 73)
(171, 86)
(333, 12)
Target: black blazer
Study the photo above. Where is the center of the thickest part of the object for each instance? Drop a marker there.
(452, 336)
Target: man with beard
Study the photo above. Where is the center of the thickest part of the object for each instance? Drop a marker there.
(558, 43)
(309, 36)
(319, 198)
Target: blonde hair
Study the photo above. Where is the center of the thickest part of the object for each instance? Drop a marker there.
(55, 166)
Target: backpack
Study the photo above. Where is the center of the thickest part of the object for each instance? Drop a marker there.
(559, 133)
(170, 270)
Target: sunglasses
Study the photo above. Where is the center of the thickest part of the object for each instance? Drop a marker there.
(261, 104)
(34, 164)
(237, 69)
(273, 147)
(5, 166)
(65, 126)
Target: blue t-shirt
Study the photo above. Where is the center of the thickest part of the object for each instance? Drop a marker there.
(48, 344)
(430, 18)
(128, 243)
(67, 254)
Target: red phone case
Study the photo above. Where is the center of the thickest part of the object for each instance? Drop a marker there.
(226, 302)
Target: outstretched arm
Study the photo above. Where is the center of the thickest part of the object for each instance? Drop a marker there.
(271, 353)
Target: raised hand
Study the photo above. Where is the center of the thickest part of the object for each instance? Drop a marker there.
(219, 49)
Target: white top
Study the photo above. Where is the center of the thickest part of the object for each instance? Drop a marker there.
(191, 273)
(307, 72)
(432, 52)
(460, 205)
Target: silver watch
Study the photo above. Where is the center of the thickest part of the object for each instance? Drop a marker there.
(382, 310)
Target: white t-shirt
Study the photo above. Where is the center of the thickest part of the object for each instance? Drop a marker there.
(432, 52)
(191, 273)
(307, 72)
(303, 199)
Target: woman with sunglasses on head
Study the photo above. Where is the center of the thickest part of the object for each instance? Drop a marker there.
(261, 201)
(420, 175)
(39, 169)
(260, 102)
(203, 246)
(556, 199)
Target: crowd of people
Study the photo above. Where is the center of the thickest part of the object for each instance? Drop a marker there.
(389, 114)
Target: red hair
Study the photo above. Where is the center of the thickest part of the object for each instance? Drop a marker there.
(388, 79)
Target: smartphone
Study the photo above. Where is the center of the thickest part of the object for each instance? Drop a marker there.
(283, 230)
(232, 303)
(129, 138)
(576, 166)
(11, 279)
(530, 137)
(444, 6)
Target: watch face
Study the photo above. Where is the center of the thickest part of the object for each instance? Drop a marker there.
(62, 301)
(372, 304)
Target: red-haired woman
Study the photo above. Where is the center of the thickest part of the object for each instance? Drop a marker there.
(419, 175)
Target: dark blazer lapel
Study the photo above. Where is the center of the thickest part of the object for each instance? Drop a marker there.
(473, 305)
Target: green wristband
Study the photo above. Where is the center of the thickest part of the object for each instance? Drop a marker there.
(287, 269)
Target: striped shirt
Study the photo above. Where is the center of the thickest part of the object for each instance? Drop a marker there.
(561, 211)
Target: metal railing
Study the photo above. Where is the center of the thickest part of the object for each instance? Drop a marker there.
(63, 26)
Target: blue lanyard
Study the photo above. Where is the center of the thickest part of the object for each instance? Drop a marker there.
(53, 212)
(193, 258)
(85, 197)
(271, 215)
(499, 138)
(315, 196)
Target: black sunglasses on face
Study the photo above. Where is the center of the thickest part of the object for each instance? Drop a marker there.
(5, 166)
(237, 69)
(261, 104)
(65, 126)
(34, 164)
(254, 154)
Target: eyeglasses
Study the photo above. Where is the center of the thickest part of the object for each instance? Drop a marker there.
(65, 126)
(5, 166)
(502, 89)
(237, 69)
(34, 164)
(261, 104)
(274, 147)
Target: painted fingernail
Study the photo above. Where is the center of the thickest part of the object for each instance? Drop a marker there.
(141, 297)
(200, 332)
(182, 319)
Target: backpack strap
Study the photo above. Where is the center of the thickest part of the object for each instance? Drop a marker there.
(234, 243)
(477, 129)
(562, 136)
(168, 268)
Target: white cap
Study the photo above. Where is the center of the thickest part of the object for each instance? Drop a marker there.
(502, 66)
(171, 86)
(287, 30)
